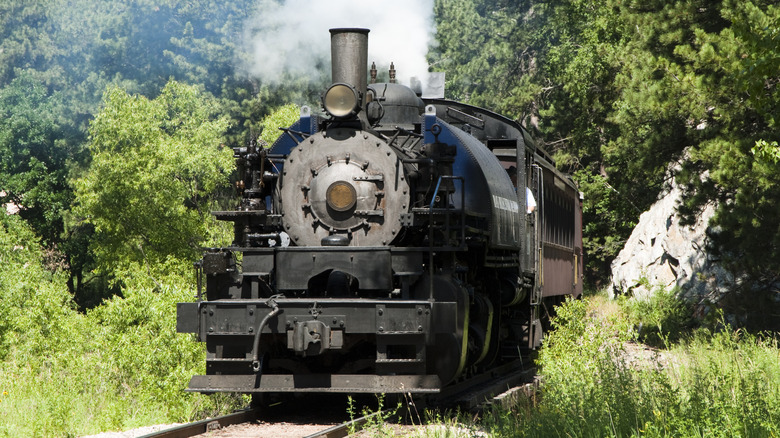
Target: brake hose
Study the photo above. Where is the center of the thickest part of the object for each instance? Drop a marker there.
(256, 365)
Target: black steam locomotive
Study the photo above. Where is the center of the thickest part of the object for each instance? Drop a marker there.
(389, 246)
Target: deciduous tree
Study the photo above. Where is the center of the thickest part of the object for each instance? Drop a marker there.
(155, 164)
(35, 146)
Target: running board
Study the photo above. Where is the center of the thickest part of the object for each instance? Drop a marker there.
(338, 383)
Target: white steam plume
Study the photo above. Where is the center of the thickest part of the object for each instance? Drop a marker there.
(292, 36)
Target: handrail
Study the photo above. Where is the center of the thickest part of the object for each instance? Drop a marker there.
(446, 221)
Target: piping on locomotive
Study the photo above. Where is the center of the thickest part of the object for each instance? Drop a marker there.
(384, 247)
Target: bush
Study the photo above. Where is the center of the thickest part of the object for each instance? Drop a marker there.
(122, 365)
(711, 384)
(586, 381)
(660, 319)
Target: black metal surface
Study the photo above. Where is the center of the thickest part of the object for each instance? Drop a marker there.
(353, 315)
(186, 317)
(383, 253)
(400, 105)
(371, 266)
(336, 383)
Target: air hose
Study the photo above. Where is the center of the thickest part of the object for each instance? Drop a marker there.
(256, 365)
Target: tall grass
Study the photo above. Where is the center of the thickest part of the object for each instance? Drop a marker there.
(65, 373)
(119, 367)
(660, 319)
(599, 380)
(722, 384)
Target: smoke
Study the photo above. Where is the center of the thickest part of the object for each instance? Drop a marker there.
(292, 38)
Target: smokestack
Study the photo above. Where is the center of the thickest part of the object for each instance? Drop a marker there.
(349, 58)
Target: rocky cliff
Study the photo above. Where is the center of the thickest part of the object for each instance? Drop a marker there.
(663, 252)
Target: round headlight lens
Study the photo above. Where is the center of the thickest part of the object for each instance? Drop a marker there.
(341, 196)
(341, 100)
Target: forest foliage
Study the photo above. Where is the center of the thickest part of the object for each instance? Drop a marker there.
(156, 167)
(117, 120)
(617, 90)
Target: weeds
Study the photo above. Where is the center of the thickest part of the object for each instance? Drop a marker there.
(119, 366)
(722, 383)
(713, 383)
(661, 318)
(375, 422)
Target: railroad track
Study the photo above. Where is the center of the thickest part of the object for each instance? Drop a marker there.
(472, 394)
(248, 416)
(343, 429)
(204, 426)
(507, 381)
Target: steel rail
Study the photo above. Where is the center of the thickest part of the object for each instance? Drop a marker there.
(203, 426)
(343, 429)
(469, 395)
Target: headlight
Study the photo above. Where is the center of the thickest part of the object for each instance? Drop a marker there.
(341, 101)
(341, 196)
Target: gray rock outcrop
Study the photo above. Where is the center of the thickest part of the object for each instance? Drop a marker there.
(662, 252)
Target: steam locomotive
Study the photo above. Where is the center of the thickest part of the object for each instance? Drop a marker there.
(390, 245)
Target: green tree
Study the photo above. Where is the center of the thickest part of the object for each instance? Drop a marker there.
(58, 57)
(35, 146)
(712, 70)
(580, 55)
(618, 90)
(282, 117)
(155, 166)
(552, 66)
(488, 50)
(26, 37)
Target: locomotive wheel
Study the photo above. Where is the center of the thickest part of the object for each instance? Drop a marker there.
(447, 355)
